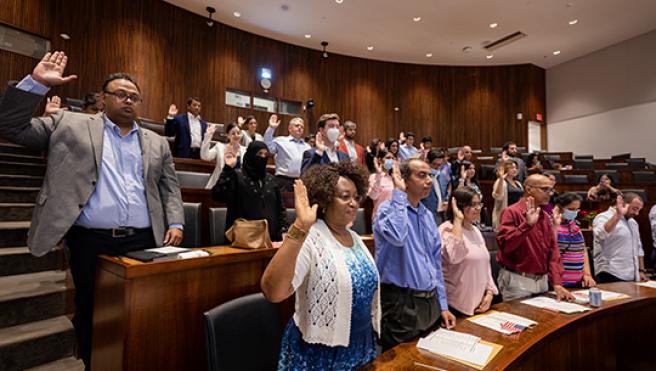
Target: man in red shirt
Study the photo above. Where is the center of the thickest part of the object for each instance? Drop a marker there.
(348, 144)
(528, 253)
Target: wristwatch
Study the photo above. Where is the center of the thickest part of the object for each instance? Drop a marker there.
(296, 233)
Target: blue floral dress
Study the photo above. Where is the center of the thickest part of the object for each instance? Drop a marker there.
(296, 354)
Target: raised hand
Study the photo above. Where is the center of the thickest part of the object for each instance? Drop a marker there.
(457, 213)
(52, 105)
(399, 182)
(532, 212)
(401, 137)
(501, 172)
(229, 158)
(557, 216)
(211, 130)
(621, 206)
(461, 155)
(274, 122)
(320, 142)
(504, 156)
(463, 172)
(50, 70)
(173, 111)
(378, 166)
(241, 121)
(306, 215)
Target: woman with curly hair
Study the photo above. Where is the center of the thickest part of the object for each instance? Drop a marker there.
(331, 272)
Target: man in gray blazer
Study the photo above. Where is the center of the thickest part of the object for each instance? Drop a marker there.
(110, 186)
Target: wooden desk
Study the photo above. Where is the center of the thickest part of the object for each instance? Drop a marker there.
(149, 316)
(614, 337)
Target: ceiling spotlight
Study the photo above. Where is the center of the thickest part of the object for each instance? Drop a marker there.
(370, 48)
(429, 55)
(307, 36)
(493, 25)
(65, 36)
(556, 52)
(573, 22)
(209, 21)
(324, 53)
(489, 56)
(339, 1)
(236, 14)
(416, 19)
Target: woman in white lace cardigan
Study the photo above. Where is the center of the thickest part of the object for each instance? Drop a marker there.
(217, 153)
(331, 272)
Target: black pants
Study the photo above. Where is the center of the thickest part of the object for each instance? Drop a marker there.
(85, 245)
(605, 277)
(405, 316)
(285, 183)
(194, 153)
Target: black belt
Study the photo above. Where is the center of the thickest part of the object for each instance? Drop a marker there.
(118, 232)
(286, 177)
(415, 293)
(527, 275)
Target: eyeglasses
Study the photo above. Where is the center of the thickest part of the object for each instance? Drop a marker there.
(476, 205)
(347, 198)
(122, 95)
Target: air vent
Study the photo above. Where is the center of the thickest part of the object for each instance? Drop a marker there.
(494, 45)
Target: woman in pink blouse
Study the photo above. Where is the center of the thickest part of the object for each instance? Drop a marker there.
(381, 184)
(465, 258)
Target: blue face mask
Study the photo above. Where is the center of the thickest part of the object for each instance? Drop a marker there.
(570, 214)
(388, 164)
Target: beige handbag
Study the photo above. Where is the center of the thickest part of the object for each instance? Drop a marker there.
(249, 234)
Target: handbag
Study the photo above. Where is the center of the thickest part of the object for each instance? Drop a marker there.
(249, 234)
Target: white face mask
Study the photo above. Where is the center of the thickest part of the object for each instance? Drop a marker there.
(332, 134)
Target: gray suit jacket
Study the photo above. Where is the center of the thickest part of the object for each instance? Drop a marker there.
(74, 142)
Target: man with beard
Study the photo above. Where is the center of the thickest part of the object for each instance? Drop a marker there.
(348, 145)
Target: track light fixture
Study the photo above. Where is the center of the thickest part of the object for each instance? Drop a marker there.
(325, 53)
(209, 21)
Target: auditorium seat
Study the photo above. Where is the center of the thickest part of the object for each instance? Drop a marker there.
(192, 226)
(575, 178)
(583, 157)
(189, 179)
(217, 225)
(360, 225)
(494, 265)
(243, 334)
(644, 177)
(496, 149)
(488, 172)
(616, 165)
(556, 174)
(522, 150)
(636, 162)
(583, 164)
(612, 174)
(551, 157)
(621, 156)
(291, 215)
(640, 192)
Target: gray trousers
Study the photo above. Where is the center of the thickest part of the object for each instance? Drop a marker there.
(515, 286)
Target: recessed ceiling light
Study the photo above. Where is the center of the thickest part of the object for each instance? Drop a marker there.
(416, 19)
(429, 55)
(573, 22)
(339, 1)
(236, 14)
(307, 36)
(556, 52)
(493, 25)
(489, 56)
(370, 48)
(65, 36)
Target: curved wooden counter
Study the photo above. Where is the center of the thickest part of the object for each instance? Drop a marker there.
(618, 336)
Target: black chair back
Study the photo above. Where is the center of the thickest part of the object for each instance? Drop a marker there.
(192, 226)
(583, 164)
(555, 173)
(243, 334)
(644, 177)
(488, 172)
(575, 178)
(218, 225)
(190, 179)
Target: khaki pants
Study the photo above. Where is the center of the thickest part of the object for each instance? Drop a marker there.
(515, 286)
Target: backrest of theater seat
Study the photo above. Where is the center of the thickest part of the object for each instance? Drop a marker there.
(555, 173)
(551, 157)
(488, 172)
(291, 215)
(218, 225)
(575, 178)
(583, 164)
(644, 177)
(189, 179)
(192, 226)
(359, 225)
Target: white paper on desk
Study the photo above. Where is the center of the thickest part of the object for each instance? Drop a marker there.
(456, 345)
(650, 284)
(553, 304)
(583, 296)
(168, 250)
(493, 320)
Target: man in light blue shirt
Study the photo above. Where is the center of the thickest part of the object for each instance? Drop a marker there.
(110, 186)
(407, 150)
(413, 296)
(288, 151)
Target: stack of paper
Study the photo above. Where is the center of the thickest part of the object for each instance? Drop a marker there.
(583, 296)
(650, 284)
(457, 346)
(553, 304)
(503, 322)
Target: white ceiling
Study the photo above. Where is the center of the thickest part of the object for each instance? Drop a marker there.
(446, 26)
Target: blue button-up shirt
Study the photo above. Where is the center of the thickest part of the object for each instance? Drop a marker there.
(288, 151)
(406, 152)
(408, 247)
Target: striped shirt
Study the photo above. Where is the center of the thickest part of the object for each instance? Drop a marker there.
(572, 251)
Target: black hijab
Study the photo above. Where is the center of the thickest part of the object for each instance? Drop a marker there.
(255, 166)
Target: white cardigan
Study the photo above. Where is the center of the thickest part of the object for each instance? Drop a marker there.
(323, 287)
(216, 154)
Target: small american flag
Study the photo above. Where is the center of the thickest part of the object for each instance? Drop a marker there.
(512, 327)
